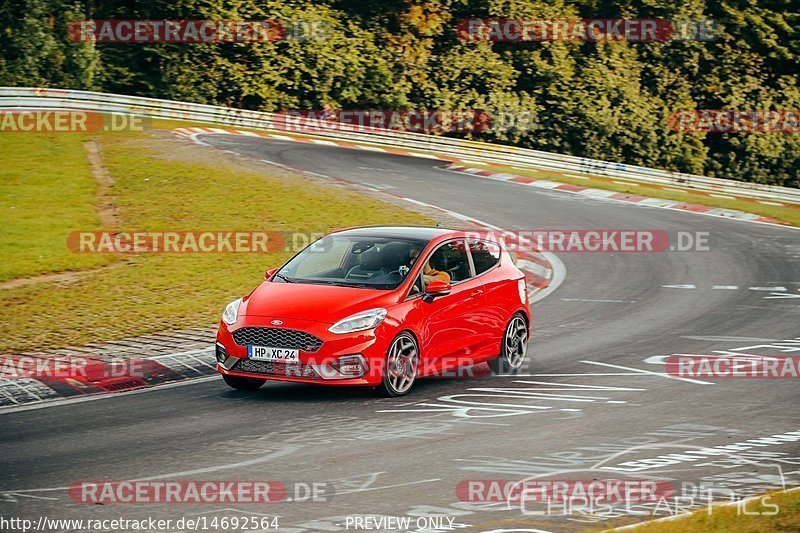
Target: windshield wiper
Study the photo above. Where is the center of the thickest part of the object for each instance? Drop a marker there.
(284, 278)
(336, 283)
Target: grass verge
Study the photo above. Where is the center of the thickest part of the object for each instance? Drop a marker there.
(731, 519)
(163, 184)
(46, 192)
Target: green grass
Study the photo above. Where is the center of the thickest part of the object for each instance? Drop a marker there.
(728, 519)
(162, 184)
(46, 192)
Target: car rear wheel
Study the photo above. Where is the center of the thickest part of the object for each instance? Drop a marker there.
(402, 363)
(514, 347)
(240, 383)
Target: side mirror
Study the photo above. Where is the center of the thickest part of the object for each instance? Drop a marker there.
(436, 288)
(269, 273)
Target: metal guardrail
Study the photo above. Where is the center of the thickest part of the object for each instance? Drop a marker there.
(39, 98)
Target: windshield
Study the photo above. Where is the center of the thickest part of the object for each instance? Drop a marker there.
(353, 261)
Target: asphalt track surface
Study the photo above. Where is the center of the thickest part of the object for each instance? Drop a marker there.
(596, 398)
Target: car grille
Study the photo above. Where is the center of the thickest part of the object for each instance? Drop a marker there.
(277, 338)
(276, 369)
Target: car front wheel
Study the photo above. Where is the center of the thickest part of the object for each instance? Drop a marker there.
(514, 347)
(402, 362)
(240, 383)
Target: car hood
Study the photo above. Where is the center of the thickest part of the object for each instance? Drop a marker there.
(306, 301)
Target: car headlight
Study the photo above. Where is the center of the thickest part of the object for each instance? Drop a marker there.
(231, 312)
(359, 321)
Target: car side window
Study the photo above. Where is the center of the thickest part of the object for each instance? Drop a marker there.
(448, 261)
(485, 255)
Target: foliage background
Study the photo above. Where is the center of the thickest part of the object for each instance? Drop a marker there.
(601, 100)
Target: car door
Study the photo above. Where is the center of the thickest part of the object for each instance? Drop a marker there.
(496, 288)
(452, 322)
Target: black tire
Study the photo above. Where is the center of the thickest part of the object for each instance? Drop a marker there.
(389, 387)
(248, 384)
(512, 352)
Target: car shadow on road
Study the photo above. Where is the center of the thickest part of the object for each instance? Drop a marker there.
(285, 392)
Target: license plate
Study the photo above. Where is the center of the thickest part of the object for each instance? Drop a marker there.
(278, 355)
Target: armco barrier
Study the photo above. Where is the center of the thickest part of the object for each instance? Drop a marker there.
(40, 98)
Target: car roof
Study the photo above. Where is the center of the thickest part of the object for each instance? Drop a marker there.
(422, 233)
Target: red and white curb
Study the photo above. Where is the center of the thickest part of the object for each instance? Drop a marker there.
(614, 196)
(192, 134)
(139, 373)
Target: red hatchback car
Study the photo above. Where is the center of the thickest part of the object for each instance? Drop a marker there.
(378, 307)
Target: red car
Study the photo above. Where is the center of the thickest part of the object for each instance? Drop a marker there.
(378, 307)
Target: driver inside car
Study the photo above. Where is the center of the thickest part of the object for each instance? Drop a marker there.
(429, 273)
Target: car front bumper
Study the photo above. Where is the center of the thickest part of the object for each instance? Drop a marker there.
(313, 367)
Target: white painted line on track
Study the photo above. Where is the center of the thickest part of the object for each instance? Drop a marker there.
(726, 338)
(658, 374)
